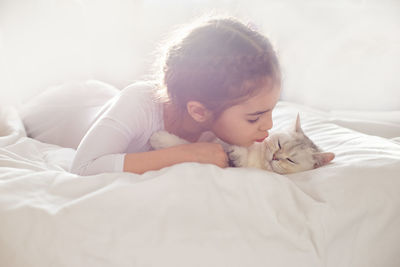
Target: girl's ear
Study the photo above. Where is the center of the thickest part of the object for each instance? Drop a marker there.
(198, 111)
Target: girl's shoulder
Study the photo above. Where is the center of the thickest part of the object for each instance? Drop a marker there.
(144, 88)
(137, 98)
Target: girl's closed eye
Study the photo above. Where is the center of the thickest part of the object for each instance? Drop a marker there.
(253, 121)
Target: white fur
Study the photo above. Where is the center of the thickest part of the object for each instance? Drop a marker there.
(163, 139)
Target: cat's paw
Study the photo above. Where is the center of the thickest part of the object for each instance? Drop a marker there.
(237, 156)
(225, 146)
(163, 139)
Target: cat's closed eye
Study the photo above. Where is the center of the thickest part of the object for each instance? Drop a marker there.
(279, 144)
(288, 159)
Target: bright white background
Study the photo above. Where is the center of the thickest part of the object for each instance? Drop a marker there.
(342, 55)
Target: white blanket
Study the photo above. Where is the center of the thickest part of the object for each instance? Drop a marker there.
(343, 214)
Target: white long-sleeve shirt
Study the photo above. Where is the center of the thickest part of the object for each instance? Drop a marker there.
(124, 125)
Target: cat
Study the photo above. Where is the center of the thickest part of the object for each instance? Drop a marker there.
(282, 152)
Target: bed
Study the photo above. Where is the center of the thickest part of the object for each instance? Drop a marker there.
(340, 62)
(344, 214)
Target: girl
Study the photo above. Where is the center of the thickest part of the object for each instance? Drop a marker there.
(220, 77)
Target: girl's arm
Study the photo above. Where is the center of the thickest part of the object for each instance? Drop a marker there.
(129, 120)
(124, 123)
(154, 160)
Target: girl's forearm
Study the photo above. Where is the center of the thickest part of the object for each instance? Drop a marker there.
(155, 160)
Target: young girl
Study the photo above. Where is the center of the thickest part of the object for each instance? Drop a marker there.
(221, 77)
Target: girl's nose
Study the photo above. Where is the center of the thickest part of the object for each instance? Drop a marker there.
(266, 124)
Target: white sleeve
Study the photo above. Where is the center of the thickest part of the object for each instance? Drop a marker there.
(104, 146)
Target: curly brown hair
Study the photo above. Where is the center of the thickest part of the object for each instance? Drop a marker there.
(219, 63)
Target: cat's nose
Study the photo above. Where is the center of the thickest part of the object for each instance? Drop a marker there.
(274, 157)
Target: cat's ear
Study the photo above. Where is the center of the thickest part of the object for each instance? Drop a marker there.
(323, 158)
(198, 111)
(297, 126)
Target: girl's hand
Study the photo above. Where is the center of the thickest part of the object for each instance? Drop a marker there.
(210, 153)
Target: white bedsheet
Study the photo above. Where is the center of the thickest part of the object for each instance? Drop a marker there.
(344, 214)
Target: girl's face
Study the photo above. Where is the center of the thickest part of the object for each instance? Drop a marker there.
(248, 122)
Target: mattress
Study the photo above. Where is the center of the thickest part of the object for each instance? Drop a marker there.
(344, 214)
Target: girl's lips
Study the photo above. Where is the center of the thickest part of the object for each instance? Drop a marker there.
(262, 139)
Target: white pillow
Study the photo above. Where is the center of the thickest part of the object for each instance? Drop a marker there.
(61, 115)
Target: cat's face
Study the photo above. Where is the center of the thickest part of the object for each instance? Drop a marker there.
(293, 151)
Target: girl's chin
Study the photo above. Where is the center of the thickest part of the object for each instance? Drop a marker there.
(243, 144)
(248, 144)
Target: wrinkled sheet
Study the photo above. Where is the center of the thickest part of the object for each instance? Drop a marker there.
(344, 214)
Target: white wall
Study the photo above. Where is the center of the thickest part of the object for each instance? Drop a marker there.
(335, 54)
